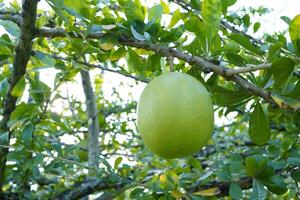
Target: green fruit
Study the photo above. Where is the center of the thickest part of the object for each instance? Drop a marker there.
(175, 115)
(82, 150)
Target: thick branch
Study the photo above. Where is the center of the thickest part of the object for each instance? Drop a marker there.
(248, 68)
(202, 64)
(93, 124)
(87, 187)
(19, 68)
(223, 187)
(192, 60)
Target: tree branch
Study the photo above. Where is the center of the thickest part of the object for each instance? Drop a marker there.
(19, 69)
(223, 187)
(93, 124)
(224, 24)
(87, 187)
(192, 60)
(99, 67)
(248, 68)
(202, 64)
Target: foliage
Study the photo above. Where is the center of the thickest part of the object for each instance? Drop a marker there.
(253, 81)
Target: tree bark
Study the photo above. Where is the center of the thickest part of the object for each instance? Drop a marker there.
(21, 59)
(93, 124)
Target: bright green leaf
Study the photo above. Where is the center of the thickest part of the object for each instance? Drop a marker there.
(155, 13)
(294, 30)
(17, 91)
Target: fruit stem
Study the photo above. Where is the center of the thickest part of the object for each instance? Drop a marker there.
(171, 63)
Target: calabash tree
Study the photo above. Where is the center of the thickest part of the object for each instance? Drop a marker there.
(252, 80)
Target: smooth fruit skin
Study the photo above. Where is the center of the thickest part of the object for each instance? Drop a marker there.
(175, 115)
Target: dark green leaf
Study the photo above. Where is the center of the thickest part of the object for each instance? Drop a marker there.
(235, 59)
(294, 161)
(258, 191)
(281, 69)
(235, 191)
(27, 134)
(255, 165)
(244, 42)
(259, 129)
(4, 137)
(135, 62)
(286, 19)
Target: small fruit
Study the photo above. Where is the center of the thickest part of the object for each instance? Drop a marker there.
(175, 115)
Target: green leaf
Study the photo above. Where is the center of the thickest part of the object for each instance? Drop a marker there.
(246, 20)
(255, 165)
(296, 175)
(4, 137)
(119, 53)
(195, 25)
(24, 110)
(294, 161)
(165, 6)
(225, 97)
(155, 13)
(259, 129)
(244, 42)
(211, 15)
(3, 86)
(134, 10)
(235, 59)
(281, 69)
(4, 50)
(294, 30)
(176, 16)
(172, 35)
(235, 191)
(153, 62)
(258, 191)
(256, 26)
(275, 184)
(27, 134)
(137, 35)
(117, 162)
(227, 3)
(11, 28)
(18, 90)
(286, 19)
(135, 62)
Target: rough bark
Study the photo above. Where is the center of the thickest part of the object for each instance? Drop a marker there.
(93, 124)
(23, 49)
(87, 187)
